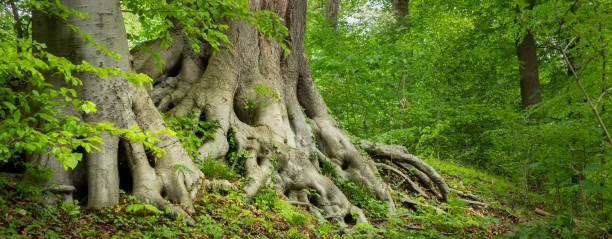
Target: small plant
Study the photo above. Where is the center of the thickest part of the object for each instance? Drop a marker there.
(311, 192)
(215, 169)
(265, 199)
(237, 161)
(251, 102)
(191, 131)
(71, 208)
(293, 234)
(142, 209)
(327, 168)
(360, 197)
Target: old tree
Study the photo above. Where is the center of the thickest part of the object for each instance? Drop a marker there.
(260, 96)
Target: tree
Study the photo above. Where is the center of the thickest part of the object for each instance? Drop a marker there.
(261, 96)
(401, 7)
(528, 67)
(118, 102)
(331, 10)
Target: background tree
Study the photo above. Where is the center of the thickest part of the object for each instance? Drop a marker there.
(528, 59)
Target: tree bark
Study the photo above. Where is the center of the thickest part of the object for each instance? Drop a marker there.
(117, 101)
(331, 11)
(401, 8)
(528, 68)
(283, 139)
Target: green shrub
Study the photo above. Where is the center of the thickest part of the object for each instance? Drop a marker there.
(191, 131)
(360, 197)
(265, 199)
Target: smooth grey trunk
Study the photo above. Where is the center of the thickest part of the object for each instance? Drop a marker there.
(119, 102)
(105, 25)
(286, 137)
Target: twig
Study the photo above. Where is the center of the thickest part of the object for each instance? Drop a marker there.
(601, 96)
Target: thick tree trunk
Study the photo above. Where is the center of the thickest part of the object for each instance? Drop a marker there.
(118, 102)
(528, 68)
(285, 135)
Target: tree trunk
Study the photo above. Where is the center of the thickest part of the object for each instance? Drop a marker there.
(285, 135)
(331, 10)
(401, 8)
(118, 102)
(528, 68)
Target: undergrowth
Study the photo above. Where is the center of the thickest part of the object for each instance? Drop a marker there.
(266, 215)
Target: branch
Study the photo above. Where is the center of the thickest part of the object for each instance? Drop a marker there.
(601, 96)
(586, 95)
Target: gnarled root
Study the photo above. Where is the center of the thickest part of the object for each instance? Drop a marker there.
(399, 155)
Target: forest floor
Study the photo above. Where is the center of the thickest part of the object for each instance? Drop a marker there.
(266, 216)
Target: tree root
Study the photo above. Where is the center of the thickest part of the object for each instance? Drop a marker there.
(411, 185)
(466, 195)
(415, 204)
(399, 155)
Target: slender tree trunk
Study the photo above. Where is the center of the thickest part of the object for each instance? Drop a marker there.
(401, 7)
(331, 11)
(528, 68)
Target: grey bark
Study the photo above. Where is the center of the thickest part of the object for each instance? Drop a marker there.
(283, 146)
(401, 8)
(118, 102)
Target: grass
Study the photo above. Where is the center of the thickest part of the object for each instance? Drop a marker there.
(265, 215)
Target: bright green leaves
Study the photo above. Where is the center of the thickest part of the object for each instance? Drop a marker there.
(142, 209)
(198, 20)
(191, 131)
(41, 119)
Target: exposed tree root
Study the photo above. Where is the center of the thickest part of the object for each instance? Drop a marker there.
(466, 195)
(268, 101)
(411, 185)
(398, 153)
(416, 204)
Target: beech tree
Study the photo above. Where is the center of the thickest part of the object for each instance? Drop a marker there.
(528, 67)
(257, 89)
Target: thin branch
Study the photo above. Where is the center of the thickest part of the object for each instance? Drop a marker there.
(586, 95)
(601, 96)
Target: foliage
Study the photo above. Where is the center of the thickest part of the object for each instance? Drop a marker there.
(362, 198)
(191, 131)
(38, 120)
(197, 20)
(444, 83)
(327, 168)
(215, 169)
